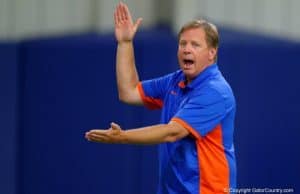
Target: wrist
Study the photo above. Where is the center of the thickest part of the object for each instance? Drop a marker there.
(125, 42)
(123, 137)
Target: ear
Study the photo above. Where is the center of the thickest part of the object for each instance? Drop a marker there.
(212, 52)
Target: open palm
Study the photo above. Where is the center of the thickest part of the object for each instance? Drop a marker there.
(111, 135)
(125, 29)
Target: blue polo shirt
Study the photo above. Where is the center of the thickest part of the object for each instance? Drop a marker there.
(204, 161)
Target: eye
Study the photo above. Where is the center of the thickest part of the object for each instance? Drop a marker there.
(182, 43)
(195, 44)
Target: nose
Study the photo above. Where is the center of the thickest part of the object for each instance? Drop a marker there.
(186, 49)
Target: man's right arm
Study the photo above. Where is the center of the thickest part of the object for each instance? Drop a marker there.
(127, 76)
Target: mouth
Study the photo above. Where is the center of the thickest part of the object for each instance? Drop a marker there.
(187, 63)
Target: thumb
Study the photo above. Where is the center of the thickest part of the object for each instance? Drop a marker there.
(115, 126)
(138, 23)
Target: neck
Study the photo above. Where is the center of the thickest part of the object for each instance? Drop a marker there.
(190, 79)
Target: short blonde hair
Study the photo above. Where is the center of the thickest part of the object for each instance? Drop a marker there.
(211, 31)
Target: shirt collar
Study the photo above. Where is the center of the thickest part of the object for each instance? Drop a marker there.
(208, 71)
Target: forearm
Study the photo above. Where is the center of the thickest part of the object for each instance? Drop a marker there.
(146, 135)
(127, 77)
(154, 134)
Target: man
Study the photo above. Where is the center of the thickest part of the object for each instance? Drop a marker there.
(195, 137)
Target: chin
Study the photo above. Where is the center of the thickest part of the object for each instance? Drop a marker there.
(189, 74)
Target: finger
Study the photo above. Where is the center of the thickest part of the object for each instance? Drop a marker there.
(122, 11)
(115, 126)
(138, 23)
(94, 131)
(127, 12)
(118, 14)
(115, 18)
(96, 136)
(97, 132)
(97, 139)
(86, 136)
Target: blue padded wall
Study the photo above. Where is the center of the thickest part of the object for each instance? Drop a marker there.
(61, 87)
(8, 116)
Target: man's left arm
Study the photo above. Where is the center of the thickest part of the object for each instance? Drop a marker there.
(154, 134)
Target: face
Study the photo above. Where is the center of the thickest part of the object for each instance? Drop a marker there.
(193, 53)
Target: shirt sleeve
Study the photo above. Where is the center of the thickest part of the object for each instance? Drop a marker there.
(202, 113)
(153, 91)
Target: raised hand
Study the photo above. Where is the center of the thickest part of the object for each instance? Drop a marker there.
(111, 135)
(125, 29)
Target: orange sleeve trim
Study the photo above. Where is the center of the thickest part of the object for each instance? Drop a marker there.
(188, 127)
(149, 102)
